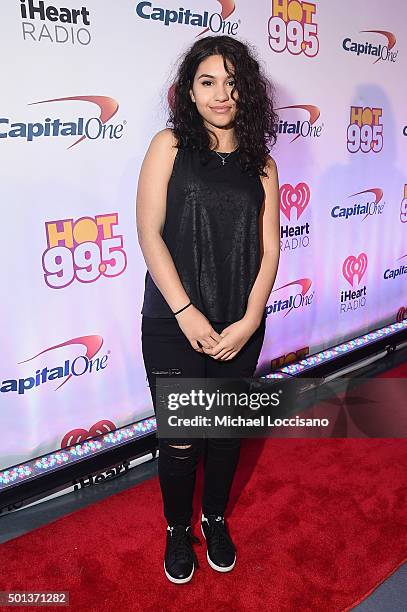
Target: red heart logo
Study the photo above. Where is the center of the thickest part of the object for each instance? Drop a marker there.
(354, 266)
(77, 436)
(294, 197)
(401, 315)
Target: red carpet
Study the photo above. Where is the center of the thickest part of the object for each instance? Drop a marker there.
(398, 372)
(317, 523)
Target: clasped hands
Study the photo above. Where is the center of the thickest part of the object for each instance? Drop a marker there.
(204, 339)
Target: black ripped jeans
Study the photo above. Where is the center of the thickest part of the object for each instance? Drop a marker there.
(166, 347)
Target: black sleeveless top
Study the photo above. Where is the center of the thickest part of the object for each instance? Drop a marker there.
(212, 233)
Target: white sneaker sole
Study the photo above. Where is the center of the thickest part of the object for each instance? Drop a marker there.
(179, 580)
(213, 565)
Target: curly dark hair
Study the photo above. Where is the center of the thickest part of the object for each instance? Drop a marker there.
(255, 120)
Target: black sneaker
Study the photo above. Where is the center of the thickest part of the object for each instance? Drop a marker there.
(180, 559)
(221, 553)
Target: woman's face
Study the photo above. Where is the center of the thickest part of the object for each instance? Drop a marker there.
(211, 92)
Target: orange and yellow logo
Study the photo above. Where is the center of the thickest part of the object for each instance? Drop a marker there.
(83, 249)
(292, 27)
(365, 129)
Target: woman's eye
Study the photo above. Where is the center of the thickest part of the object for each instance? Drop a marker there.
(232, 83)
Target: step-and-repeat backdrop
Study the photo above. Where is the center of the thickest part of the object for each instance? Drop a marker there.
(84, 89)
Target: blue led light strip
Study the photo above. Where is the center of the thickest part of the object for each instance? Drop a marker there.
(53, 461)
(336, 351)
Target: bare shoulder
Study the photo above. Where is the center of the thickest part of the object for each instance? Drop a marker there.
(164, 141)
(161, 153)
(270, 168)
(270, 181)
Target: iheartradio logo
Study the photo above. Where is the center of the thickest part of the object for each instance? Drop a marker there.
(401, 314)
(354, 266)
(291, 197)
(77, 436)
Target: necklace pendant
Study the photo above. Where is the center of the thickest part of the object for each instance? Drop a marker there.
(223, 162)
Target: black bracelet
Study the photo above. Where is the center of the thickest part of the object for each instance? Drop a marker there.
(175, 313)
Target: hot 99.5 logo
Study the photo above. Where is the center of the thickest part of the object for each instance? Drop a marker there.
(84, 250)
(403, 207)
(292, 27)
(365, 130)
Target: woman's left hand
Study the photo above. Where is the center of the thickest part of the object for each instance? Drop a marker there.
(234, 337)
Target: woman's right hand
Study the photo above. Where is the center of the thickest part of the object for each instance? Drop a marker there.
(197, 328)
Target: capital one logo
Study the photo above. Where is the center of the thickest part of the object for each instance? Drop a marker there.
(371, 207)
(365, 130)
(292, 27)
(88, 363)
(300, 296)
(294, 198)
(394, 273)
(381, 52)
(217, 21)
(213, 22)
(354, 267)
(307, 128)
(84, 250)
(93, 128)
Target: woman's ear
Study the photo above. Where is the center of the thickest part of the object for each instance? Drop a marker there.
(192, 95)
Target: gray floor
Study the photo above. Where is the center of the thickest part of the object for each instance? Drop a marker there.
(391, 596)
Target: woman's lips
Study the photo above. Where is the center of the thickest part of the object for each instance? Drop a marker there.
(220, 110)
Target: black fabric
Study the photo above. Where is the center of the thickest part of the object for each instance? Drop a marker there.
(167, 351)
(212, 233)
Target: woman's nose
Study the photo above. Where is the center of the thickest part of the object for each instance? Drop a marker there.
(222, 94)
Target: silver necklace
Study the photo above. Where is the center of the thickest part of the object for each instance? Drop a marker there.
(226, 156)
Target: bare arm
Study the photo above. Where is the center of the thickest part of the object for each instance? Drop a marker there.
(269, 246)
(150, 217)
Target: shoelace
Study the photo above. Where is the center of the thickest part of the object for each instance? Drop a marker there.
(182, 540)
(218, 531)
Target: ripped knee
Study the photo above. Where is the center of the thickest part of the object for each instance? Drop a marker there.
(182, 447)
(182, 450)
(178, 459)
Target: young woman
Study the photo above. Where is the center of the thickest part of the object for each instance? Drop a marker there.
(208, 227)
